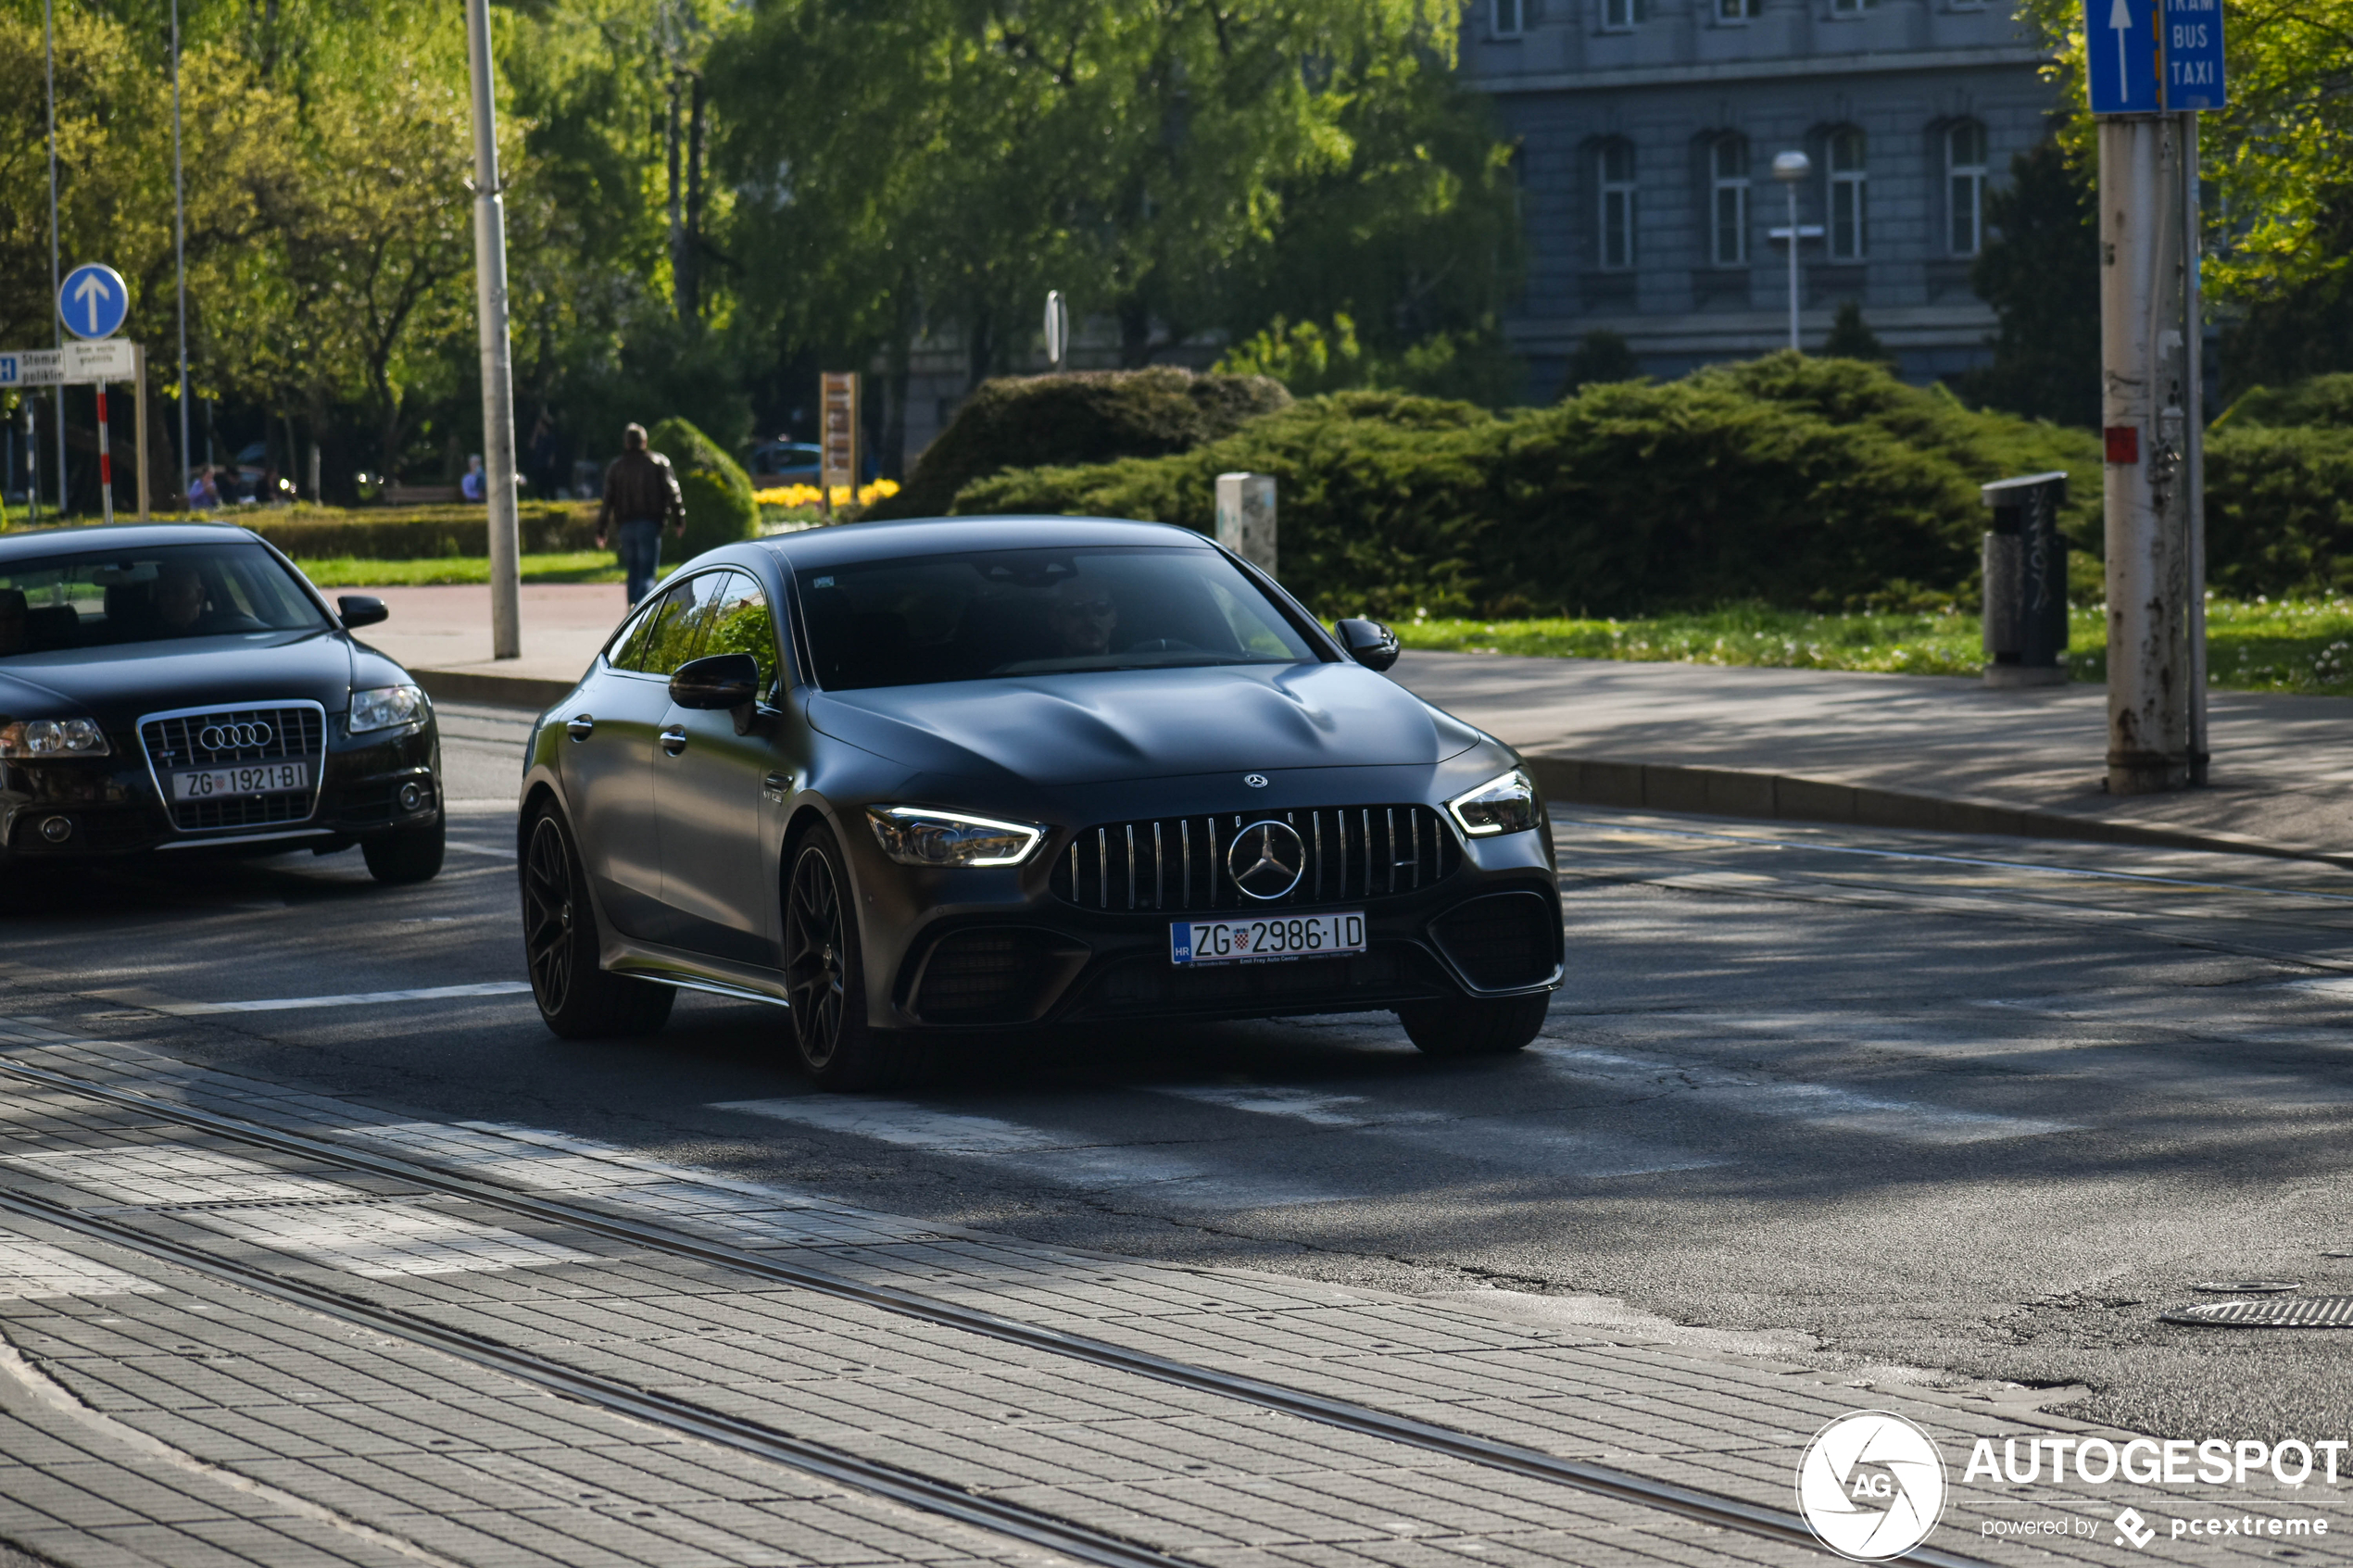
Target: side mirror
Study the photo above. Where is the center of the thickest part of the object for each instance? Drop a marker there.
(361, 609)
(724, 680)
(1370, 643)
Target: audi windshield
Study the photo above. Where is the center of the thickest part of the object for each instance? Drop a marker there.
(1037, 612)
(101, 598)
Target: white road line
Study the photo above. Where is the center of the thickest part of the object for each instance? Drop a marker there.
(1074, 1159)
(348, 1000)
(480, 848)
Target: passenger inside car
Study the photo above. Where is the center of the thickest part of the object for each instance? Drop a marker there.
(12, 621)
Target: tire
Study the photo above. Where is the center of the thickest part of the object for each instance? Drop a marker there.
(577, 999)
(407, 855)
(826, 978)
(1495, 1027)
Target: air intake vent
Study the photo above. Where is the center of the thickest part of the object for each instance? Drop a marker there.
(1502, 940)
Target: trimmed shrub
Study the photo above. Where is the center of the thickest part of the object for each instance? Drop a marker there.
(2279, 509)
(423, 534)
(2317, 400)
(719, 508)
(1090, 417)
(1803, 482)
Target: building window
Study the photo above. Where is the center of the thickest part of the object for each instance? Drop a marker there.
(1851, 8)
(1617, 160)
(1964, 187)
(1849, 224)
(1619, 16)
(1508, 17)
(1727, 163)
(1739, 10)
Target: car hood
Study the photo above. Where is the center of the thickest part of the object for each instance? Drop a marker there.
(120, 684)
(1147, 723)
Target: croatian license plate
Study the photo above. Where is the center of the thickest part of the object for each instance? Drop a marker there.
(251, 778)
(1266, 940)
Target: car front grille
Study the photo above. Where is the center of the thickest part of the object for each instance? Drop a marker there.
(1353, 854)
(294, 732)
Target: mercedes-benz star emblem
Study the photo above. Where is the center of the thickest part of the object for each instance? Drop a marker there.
(1255, 781)
(1266, 860)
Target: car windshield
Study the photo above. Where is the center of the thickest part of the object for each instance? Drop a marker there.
(100, 598)
(1037, 612)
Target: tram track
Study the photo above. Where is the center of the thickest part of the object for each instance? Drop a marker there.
(1079, 1540)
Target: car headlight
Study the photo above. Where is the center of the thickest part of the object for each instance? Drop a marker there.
(386, 706)
(1503, 804)
(915, 835)
(53, 737)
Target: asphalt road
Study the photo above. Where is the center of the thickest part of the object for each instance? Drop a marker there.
(1928, 1110)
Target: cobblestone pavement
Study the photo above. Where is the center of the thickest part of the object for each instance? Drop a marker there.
(153, 1414)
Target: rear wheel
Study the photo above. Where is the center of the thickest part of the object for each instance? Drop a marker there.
(1492, 1027)
(409, 854)
(577, 999)
(826, 978)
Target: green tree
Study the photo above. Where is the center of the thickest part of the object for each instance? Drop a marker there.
(1852, 338)
(2040, 272)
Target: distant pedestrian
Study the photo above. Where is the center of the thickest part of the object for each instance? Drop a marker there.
(470, 485)
(641, 494)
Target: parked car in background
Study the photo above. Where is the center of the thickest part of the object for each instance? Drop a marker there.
(784, 462)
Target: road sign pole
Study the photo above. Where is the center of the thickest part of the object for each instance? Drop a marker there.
(139, 428)
(498, 391)
(2194, 429)
(106, 460)
(57, 327)
(2144, 381)
(179, 491)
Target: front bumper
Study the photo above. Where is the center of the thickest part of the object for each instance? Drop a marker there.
(111, 807)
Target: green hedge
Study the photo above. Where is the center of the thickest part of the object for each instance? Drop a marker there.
(1799, 481)
(2279, 510)
(416, 534)
(1089, 417)
(719, 508)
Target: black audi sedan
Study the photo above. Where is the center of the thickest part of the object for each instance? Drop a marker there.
(910, 778)
(183, 688)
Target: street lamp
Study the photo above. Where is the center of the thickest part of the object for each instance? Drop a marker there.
(1791, 169)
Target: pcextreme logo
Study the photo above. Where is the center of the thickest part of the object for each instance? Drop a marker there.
(1870, 1485)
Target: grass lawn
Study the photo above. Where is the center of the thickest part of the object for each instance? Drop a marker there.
(572, 566)
(2293, 645)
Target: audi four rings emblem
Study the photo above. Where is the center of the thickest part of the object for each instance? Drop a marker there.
(1266, 860)
(234, 737)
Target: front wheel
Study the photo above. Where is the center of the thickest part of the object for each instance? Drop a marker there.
(409, 854)
(825, 977)
(577, 999)
(1489, 1027)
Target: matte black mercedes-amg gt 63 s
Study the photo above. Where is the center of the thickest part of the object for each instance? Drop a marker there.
(182, 687)
(916, 778)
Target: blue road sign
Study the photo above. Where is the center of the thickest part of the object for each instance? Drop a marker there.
(93, 300)
(2193, 44)
(2121, 57)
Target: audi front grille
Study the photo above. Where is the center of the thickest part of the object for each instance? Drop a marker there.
(223, 737)
(1353, 854)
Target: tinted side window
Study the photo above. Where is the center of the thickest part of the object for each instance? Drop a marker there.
(672, 630)
(737, 622)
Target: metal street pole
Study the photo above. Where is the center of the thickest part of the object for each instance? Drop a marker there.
(2144, 381)
(490, 307)
(2194, 428)
(56, 324)
(180, 263)
(1792, 169)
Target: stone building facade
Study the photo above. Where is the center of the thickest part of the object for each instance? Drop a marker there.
(1647, 131)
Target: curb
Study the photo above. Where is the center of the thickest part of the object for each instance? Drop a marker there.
(476, 685)
(1729, 792)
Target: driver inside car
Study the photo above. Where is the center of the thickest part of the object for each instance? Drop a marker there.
(178, 596)
(1082, 617)
(12, 621)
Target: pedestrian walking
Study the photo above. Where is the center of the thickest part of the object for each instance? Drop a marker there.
(641, 494)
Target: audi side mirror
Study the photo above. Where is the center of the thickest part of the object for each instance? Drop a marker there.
(1370, 643)
(724, 680)
(361, 609)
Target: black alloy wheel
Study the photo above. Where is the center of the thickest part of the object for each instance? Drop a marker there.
(577, 999)
(1488, 1026)
(826, 979)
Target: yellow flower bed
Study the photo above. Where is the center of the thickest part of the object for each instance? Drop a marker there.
(811, 495)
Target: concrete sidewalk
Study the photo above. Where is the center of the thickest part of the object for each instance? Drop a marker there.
(1911, 751)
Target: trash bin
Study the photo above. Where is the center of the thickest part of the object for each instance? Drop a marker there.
(2025, 582)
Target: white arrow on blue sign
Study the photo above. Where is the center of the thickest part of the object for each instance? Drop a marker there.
(2153, 56)
(94, 300)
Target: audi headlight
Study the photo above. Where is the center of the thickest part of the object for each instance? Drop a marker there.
(386, 706)
(1503, 804)
(915, 835)
(53, 737)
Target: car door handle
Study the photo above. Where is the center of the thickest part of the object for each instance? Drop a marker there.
(674, 740)
(778, 781)
(580, 726)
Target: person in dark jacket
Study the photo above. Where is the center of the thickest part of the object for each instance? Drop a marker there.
(641, 494)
